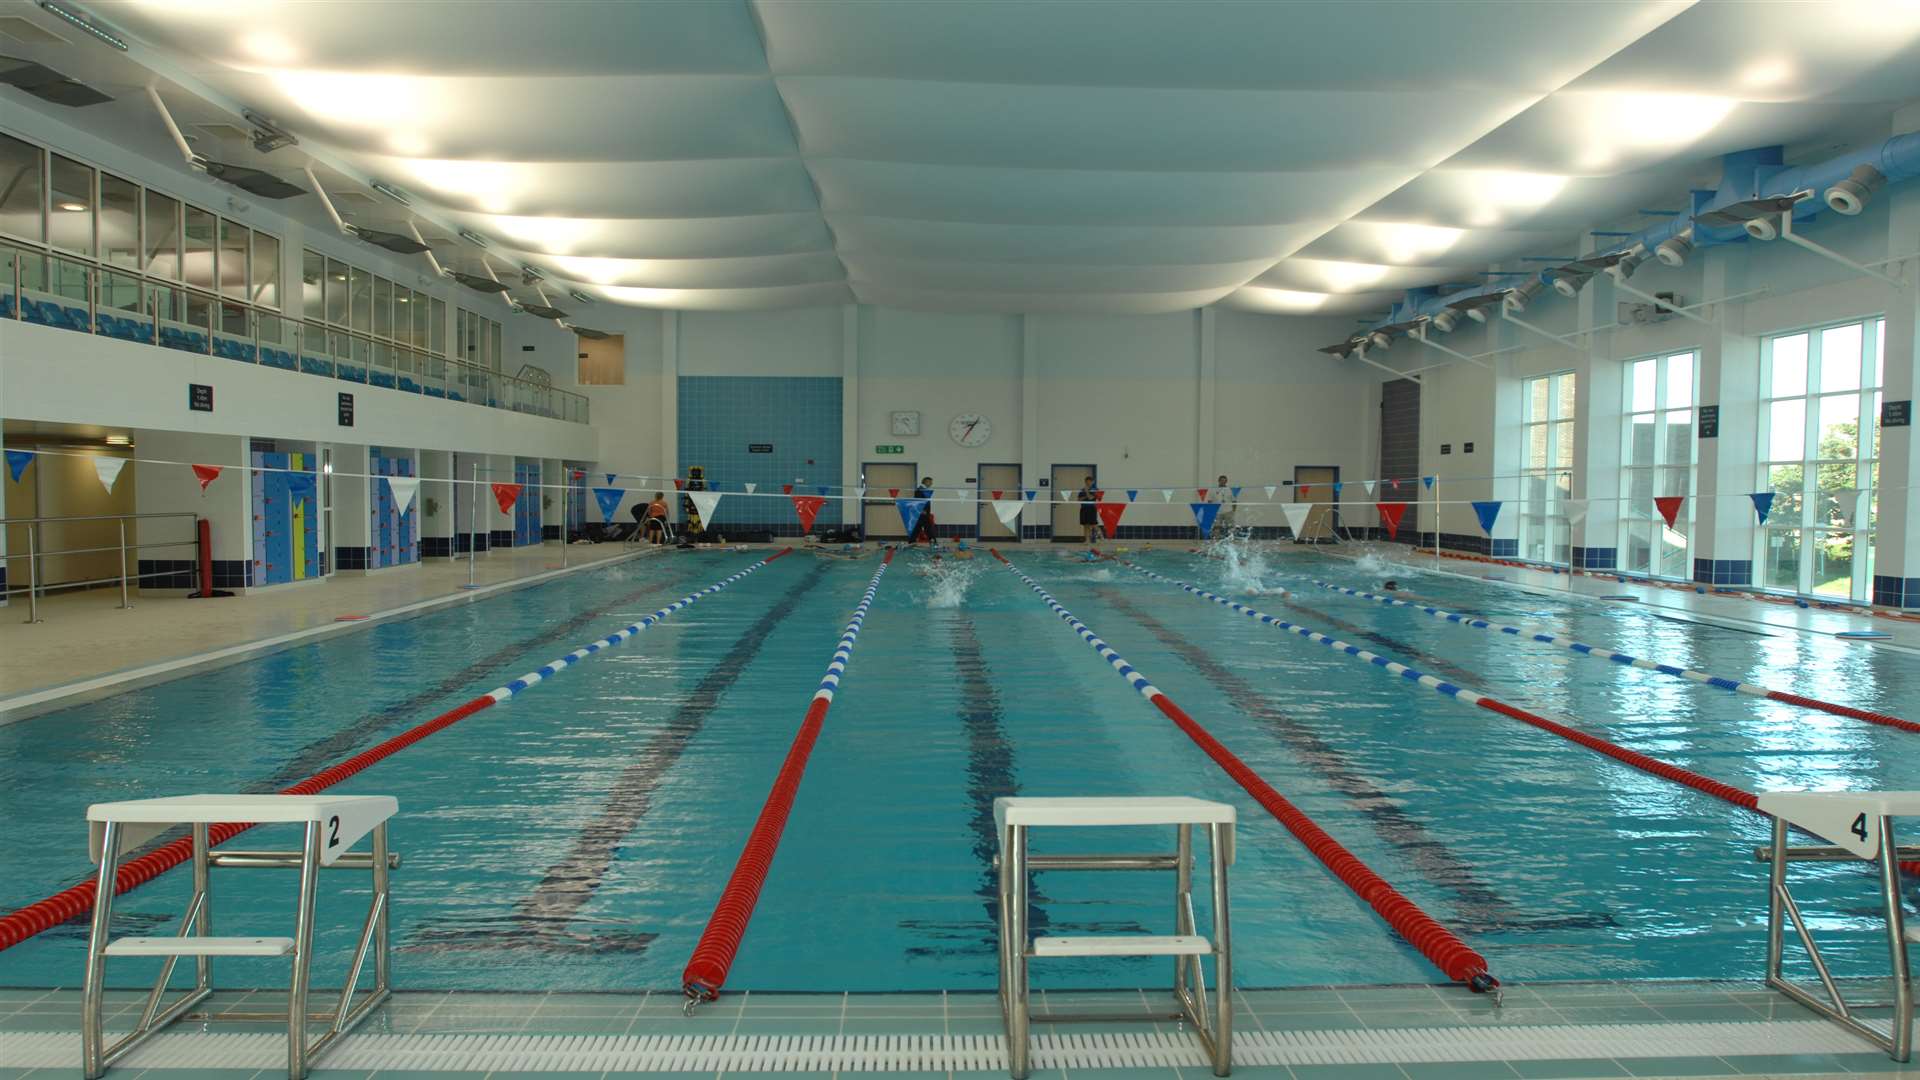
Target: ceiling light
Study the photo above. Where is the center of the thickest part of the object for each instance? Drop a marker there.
(1498, 189)
(83, 23)
(491, 185)
(269, 47)
(355, 99)
(598, 271)
(1478, 315)
(1850, 196)
(552, 235)
(73, 207)
(1567, 285)
(1290, 300)
(1516, 300)
(1673, 251)
(1767, 72)
(1406, 244)
(1627, 121)
(1379, 341)
(1445, 321)
(407, 143)
(119, 440)
(1349, 276)
(1628, 263)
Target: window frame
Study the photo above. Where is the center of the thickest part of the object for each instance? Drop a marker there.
(1546, 524)
(1636, 510)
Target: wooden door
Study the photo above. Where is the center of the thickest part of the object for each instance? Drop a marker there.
(879, 517)
(1066, 516)
(1006, 480)
(1322, 519)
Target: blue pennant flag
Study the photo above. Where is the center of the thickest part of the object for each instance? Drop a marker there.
(1762, 502)
(1030, 494)
(1132, 494)
(609, 500)
(1203, 515)
(910, 511)
(1488, 512)
(610, 477)
(1336, 489)
(821, 491)
(17, 461)
(1427, 480)
(300, 485)
(1236, 490)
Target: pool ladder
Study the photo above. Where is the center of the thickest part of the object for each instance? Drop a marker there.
(1014, 816)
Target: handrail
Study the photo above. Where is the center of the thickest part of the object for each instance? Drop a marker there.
(34, 587)
(92, 517)
(306, 339)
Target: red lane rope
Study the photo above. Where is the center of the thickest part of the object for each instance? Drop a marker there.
(1438, 944)
(706, 970)
(43, 915)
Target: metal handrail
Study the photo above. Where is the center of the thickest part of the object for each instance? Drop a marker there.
(366, 350)
(34, 588)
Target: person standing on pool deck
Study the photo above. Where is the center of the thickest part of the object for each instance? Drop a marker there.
(1089, 500)
(654, 524)
(924, 527)
(1223, 495)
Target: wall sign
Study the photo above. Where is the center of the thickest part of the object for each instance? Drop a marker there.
(1709, 421)
(199, 397)
(1446, 448)
(1896, 413)
(896, 448)
(346, 410)
(760, 448)
(1466, 448)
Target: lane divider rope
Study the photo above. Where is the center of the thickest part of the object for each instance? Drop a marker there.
(1665, 770)
(42, 915)
(1439, 945)
(706, 970)
(1534, 633)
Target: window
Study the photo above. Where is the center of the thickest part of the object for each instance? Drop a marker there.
(313, 285)
(22, 212)
(1819, 385)
(70, 200)
(119, 221)
(198, 264)
(1660, 458)
(360, 287)
(162, 234)
(382, 308)
(266, 270)
(1546, 467)
(336, 292)
(233, 259)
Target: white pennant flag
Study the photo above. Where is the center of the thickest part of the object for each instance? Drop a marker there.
(961, 494)
(705, 501)
(860, 492)
(1271, 488)
(1368, 484)
(1065, 495)
(403, 489)
(750, 487)
(1009, 510)
(1850, 504)
(1297, 516)
(1166, 494)
(108, 470)
(1576, 511)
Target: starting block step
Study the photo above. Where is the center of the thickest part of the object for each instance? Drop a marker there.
(1123, 945)
(200, 946)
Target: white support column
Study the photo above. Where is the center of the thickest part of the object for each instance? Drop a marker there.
(1596, 444)
(1724, 525)
(849, 412)
(227, 503)
(669, 396)
(1205, 450)
(437, 525)
(1032, 465)
(498, 469)
(1896, 571)
(352, 510)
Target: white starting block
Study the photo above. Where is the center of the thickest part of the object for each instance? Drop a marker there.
(1014, 816)
(1860, 825)
(331, 824)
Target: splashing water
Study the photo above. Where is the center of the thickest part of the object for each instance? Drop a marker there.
(1373, 565)
(951, 579)
(1246, 570)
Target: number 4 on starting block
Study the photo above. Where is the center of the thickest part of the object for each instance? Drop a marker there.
(1850, 819)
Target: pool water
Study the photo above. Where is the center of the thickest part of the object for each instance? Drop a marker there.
(576, 837)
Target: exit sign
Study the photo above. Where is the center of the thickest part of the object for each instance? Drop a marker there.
(896, 448)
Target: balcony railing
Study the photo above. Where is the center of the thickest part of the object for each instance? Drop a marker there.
(68, 293)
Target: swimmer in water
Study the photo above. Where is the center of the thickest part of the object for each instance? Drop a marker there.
(1391, 585)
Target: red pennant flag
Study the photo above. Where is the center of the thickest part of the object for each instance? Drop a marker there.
(893, 492)
(786, 489)
(807, 506)
(1110, 516)
(579, 474)
(506, 495)
(1669, 507)
(207, 474)
(1395, 483)
(1098, 495)
(996, 493)
(1202, 493)
(679, 484)
(1390, 514)
(1305, 490)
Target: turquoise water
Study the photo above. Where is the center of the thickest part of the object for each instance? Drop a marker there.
(576, 837)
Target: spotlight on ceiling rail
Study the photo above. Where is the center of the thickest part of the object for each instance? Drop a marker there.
(1517, 299)
(1850, 196)
(1379, 339)
(85, 24)
(473, 238)
(1673, 251)
(584, 298)
(1623, 269)
(1445, 320)
(1568, 280)
(1760, 217)
(590, 335)
(1344, 349)
(267, 136)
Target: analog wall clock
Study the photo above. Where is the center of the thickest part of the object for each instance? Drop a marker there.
(970, 429)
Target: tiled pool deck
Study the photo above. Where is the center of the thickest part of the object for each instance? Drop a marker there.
(1370, 1033)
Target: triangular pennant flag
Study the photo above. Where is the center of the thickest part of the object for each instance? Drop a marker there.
(1098, 495)
(1203, 515)
(1065, 495)
(206, 474)
(679, 484)
(1203, 493)
(1669, 507)
(786, 489)
(1132, 494)
(609, 500)
(1427, 480)
(1306, 489)
(1030, 494)
(17, 461)
(404, 488)
(300, 485)
(750, 487)
(1337, 485)
(579, 474)
(1395, 483)
(910, 512)
(705, 501)
(858, 493)
(996, 494)
(1850, 504)
(1368, 484)
(1390, 515)
(108, 470)
(894, 492)
(1008, 510)
(1271, 488)
(1488, 512)
(1236, 491)
(962, 494)
(1166, 494)
(610, 478)
(1110, 516)
(1762, 504)
(506, 495)
(1297, 516)
(807, 506)
(1576, 511)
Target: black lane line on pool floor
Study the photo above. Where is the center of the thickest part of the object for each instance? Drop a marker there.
(541, 919)
(1481, 908)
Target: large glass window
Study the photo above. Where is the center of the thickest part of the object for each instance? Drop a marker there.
(313, 285)
(337, 292)
(1660, 458)
(266, 270)
(70, 200)
(162, 234)
(360, 287)
(233, 258)
(382, 307)
(1546, 467)
(22, 210)
(119, 221)
(197, 265)
(1819, 386)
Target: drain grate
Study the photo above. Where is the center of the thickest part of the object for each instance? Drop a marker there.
(944, 1053)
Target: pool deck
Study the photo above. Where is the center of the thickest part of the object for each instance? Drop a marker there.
(1565, 1030)
(86, 646)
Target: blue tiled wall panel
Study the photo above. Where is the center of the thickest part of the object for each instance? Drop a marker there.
(722, 415)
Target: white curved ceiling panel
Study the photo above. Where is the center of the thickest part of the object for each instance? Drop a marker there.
(658, 238)
(958, 300)
(782, 296)
(756, 271)
(1128, 245)
(727, 187)
(974, 276)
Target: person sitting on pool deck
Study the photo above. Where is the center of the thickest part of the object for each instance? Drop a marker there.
(923, 529)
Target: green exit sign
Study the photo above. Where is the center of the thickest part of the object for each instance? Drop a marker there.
(894, 449)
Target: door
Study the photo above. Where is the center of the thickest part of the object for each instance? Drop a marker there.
(1006, 480)
(1323, 518)
(879, 517)
(1066, 516)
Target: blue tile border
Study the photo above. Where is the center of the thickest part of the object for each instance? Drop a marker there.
(1596, 558)
(1892, 591)
(1723, 571)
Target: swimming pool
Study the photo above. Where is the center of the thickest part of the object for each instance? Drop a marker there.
(576, 837)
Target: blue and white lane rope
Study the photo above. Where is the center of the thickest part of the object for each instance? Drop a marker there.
(706, 970)
(1540, 635)
(1440, 946)
(619, 637)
